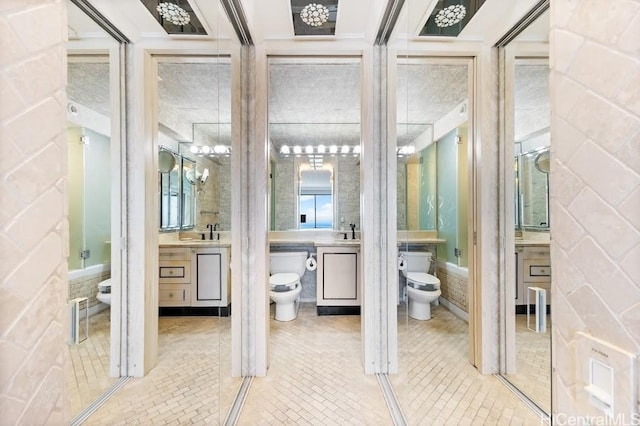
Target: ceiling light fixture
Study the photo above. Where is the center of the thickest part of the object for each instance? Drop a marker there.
(173, 13)
(450, 15)
(314, 14)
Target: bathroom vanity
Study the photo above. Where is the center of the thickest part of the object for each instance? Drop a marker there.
(533, 270)
(194, 279)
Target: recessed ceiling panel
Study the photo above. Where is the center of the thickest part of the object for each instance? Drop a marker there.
(449, 17)
(312, 18)
(176, 16)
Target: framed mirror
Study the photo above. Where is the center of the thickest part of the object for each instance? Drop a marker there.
(170, 193)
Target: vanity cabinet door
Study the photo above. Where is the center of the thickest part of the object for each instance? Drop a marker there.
(210, 277)
(339, 277)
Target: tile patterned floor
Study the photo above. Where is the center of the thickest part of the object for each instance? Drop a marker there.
(184, 387)
(315, 377)
(533, 363)
(438, 386)
(89, 377)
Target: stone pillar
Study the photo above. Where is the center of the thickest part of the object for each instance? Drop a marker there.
(249, 227)
(379, 249)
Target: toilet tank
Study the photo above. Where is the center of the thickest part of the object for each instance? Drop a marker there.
(290, 261)
(417, 261)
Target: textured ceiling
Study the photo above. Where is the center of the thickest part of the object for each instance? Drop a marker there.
(88, 84)
(531, 98)
(308, 102)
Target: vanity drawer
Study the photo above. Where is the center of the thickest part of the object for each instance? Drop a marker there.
(174, 254)
(174, 272)
(174, 295)
(536, 271)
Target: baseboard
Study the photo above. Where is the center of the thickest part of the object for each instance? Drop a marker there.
(194, 311)
(338, 310)
(454, 309)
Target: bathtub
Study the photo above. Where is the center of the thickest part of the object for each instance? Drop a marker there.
(84, 283)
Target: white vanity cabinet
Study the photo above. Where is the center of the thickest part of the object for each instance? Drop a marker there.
(339, 281)
(194, 277)
(211, 281)
(174, 277)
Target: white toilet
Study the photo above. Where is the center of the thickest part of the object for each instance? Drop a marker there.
(104, 291)
(286, 269)
(422, 287)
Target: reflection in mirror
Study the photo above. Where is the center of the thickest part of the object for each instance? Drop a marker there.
(194, 122)
(527, 359)
(315, 131)
(194, 111)
(188, 201)
(432, 185)
(315, 199)
(533, 177)
(89, 177)
(169, 190)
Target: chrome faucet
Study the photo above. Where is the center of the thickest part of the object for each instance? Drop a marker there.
(210, 227)
(353, 231)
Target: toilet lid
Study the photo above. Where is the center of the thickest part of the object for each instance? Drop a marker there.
(422, 278)
(288, 279)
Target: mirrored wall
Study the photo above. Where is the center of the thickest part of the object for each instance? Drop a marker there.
(527, 328)
(194, 184)
(92, 141)
(434, 131)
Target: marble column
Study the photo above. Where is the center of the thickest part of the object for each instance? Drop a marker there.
(250, 242)
(378, 191)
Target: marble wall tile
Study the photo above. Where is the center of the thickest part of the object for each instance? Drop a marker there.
(621, 181)
(604, 223)
(33, 241)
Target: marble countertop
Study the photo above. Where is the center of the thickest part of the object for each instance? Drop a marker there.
(412, 240)
(529, 242)
(196, 243)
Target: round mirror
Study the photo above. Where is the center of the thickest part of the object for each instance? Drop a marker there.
(543, 161)
(166, 161)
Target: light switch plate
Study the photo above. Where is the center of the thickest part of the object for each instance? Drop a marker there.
(605, 377)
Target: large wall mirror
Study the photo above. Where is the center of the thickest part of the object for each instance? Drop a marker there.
(527, 282)
(434, 134)
(194, 128)
(315, 143)
(93, 147)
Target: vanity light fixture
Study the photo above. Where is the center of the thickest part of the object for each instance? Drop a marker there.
(333, 149)
(220, 149)
(297, 150)
(356, 150)
(406, 150)
(173, 13)
(314, 14)
(450, 15)
(309, 149)
(345, 149)
(284, 149)
(321, 149)
(207, 150)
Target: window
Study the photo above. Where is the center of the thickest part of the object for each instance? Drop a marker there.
(315, 200)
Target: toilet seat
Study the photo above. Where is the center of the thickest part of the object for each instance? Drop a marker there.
(284, 279)
(419, 280)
